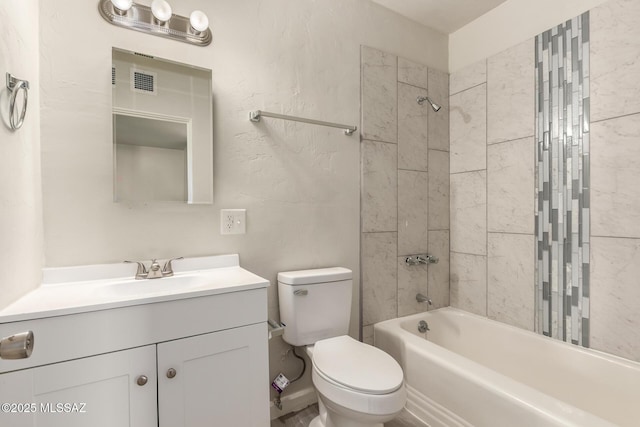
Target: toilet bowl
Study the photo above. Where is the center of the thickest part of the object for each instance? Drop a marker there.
(358, 385)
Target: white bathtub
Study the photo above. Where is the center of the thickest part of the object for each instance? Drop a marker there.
(472, 371)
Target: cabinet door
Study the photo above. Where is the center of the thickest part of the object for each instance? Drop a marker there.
(98, 391)
(221, 379)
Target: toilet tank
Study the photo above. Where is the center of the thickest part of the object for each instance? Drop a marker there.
(315, 304)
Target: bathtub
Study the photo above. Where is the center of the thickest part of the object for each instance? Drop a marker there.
(468, 370)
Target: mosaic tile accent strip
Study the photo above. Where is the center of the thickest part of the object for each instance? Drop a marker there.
(562, 181)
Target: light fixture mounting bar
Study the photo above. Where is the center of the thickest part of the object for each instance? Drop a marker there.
(140, 18)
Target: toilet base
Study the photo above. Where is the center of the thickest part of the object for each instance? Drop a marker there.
(339, 416)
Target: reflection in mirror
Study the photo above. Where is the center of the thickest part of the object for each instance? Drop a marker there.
(162, 126)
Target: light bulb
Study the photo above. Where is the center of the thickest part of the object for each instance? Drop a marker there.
(122, 5)
(161, 10)
(199, 20)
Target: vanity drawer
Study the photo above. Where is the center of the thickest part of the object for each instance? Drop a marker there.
(80, 335)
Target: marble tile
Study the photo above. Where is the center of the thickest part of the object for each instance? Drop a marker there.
(468, 130)
(367, 334)
(469, 213)
(615, 296)
(413, 73)
(412, 129)
(469, 283)
(379, 186)
(510, 186)
(510, 93)
(413, 210)
(615, 193)
(412, 279)
(615, 59)
(439, 120)
(379, 95)
(438, 190)
(379, 277)
(470, 76)
(438, 277)
(510, 282)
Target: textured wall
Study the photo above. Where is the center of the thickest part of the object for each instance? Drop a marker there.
(492, 187)
(20, 192)
(299, 183)
(405, 187)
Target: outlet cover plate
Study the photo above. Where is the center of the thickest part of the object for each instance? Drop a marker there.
(233, 221)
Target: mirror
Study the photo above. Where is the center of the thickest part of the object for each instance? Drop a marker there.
(162, 130)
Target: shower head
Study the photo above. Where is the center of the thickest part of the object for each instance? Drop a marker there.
(435, 106)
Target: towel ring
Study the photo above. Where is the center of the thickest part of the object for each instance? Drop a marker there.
(14, 85)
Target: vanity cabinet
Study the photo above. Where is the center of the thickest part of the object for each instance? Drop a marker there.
(98, 391)
(217, 379)
(205, 380)
(179, 362)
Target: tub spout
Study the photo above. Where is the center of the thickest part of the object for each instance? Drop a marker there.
(422, 298)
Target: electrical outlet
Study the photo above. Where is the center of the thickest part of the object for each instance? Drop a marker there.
(233, 221)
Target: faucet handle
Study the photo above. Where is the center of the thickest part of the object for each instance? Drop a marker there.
(167, 270)
(141, 273)
(154, 265)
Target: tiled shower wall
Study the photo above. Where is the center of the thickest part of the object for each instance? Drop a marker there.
(615, 178)
(405, 187)
(562, 181)
(492, 183)
(492, 187)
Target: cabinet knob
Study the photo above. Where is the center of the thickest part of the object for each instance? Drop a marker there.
(142, 380)
(18, 346)
(171, 373)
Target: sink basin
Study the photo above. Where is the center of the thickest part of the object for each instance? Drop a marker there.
(79, 289)
(149, 287)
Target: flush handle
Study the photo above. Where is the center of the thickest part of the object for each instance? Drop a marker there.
(300, 292)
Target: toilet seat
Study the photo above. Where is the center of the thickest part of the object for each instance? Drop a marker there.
(357, 366)
(358, 376)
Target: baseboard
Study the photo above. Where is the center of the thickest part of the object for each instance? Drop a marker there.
(294, 402)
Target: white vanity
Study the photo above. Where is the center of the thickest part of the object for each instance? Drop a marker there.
(110, 351)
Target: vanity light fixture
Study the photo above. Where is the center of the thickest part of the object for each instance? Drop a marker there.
(158, 20)
(122, 6)
(161, 10)
(199, 21)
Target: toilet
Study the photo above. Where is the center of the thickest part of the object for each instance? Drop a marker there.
(358, 385)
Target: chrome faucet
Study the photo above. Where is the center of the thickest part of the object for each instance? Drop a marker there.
(155, 271)
(422, 298)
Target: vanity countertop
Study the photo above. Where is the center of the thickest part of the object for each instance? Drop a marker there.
(71, 290)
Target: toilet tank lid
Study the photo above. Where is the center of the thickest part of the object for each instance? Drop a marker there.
(318, 275)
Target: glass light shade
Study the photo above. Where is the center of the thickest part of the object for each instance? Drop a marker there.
(199, 20)
(161, 10)
(122, 5)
